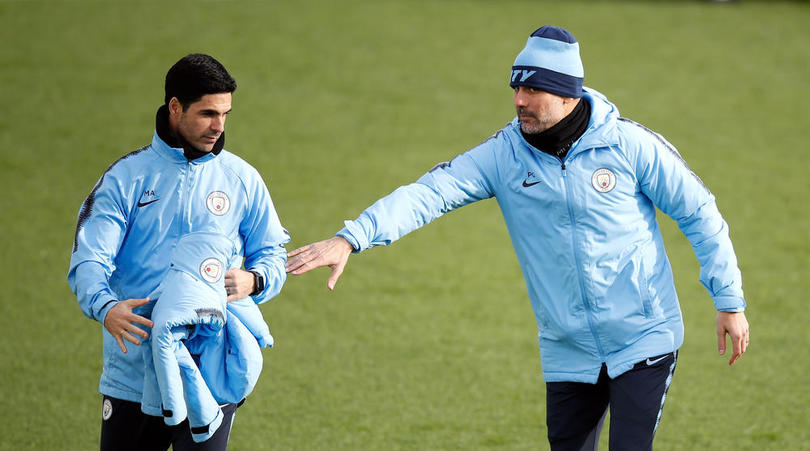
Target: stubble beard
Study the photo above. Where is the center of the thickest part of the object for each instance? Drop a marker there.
(531, 128)
(186, 144)
(539, 125)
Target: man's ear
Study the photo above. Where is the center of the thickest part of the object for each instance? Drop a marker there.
(175, 107)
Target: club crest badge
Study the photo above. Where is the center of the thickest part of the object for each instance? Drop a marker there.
(211, 270)
(218, 203)
(603, 180)
(106, 410)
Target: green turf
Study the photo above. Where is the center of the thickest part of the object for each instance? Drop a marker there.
(429, 344)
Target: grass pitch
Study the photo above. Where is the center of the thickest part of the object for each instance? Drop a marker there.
(430, 343)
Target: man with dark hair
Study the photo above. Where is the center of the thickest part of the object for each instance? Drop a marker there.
(578, 186)
(129, 225)
(195, 74)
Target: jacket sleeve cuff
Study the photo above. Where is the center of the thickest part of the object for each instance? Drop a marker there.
(346, 233)
(274, 277)
(105, 305)
(729, 304)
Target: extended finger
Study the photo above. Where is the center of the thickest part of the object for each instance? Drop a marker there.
(337, 270)
(138, 302)
(130, 338)
(141, 320)
(294, 263)
(721, 341)
(295, 252)
(304, 266)
(744, 343)
(137, 331)
(737, 343)
(735, 355)
(121, 344)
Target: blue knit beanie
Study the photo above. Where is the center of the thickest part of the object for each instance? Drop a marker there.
(550, 62)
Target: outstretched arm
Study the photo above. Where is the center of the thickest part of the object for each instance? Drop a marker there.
(333, 253)
(448, 186)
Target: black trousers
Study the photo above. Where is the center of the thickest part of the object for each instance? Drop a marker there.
(575, 412)
(124, 427)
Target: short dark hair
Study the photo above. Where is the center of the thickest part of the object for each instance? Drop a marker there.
(196, 75)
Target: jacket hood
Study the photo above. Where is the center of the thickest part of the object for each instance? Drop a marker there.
(601, 130)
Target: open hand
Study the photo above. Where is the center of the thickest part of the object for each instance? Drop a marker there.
(333, 253)
(121, 322)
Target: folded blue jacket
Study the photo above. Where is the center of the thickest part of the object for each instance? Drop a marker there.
(203, 351)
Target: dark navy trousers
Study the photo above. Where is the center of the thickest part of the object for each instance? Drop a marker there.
(125, 427)
(575, 412)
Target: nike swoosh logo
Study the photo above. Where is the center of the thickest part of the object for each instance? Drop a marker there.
(143, 204)
(653, 362)
(526, 185)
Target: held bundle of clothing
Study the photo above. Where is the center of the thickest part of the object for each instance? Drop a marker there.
(203, 351)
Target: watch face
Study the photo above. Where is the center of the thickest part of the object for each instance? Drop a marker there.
(259, 283)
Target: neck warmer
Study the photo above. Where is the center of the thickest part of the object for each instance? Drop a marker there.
(558, 139)
(165, 133)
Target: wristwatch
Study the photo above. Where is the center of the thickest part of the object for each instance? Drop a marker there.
(258, 283)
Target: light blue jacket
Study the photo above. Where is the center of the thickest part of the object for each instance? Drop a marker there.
(200, 354)
(585, 234)
(130, 223)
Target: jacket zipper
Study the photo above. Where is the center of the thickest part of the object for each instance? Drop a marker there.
(585, 303)
(183, 192)
(190, 178)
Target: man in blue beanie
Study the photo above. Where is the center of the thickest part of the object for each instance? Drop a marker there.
(578, 187)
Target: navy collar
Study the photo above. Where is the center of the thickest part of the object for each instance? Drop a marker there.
(165, 133)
